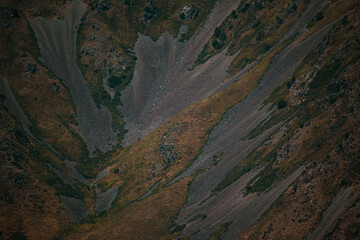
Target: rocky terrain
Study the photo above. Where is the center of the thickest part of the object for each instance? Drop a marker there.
(154, 119)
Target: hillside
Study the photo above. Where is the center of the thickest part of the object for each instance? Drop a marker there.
(199, 119)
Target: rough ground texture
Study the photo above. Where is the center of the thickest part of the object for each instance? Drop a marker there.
(57, 42)
(163, 85)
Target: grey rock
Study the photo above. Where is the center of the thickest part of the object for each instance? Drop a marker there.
(104, 200)
(101, 174)
(76, 209)
(65, 178)
(31, 67)
(70, 166)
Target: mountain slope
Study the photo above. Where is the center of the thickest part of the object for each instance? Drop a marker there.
(179, 119)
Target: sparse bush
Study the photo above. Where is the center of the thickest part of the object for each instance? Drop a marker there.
(219, 46)
(223, 37)
(182, 16)
(18, 236)
(291, 82)
(233, 14)
(279, 20)
(178, 228)
(319, 16)
(345, 20)
(245, 7)
(325, 74)
(255, 24)
(281, 103)
(115, 81)
(215, 43)
(217, 32)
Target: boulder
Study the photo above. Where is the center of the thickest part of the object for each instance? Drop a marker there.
(189, 11)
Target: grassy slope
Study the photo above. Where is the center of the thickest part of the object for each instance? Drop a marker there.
(137, 221)
(32, 208)
(251, 31)
(51, 113)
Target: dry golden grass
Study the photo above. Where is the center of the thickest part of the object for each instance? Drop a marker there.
(148, 219)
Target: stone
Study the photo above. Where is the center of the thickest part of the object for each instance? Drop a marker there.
(31, 67)
(189, 11)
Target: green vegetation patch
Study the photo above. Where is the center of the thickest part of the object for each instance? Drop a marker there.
(115, 81)
(325, 74)
(263, 180)
(220, 231)
(254, 159)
